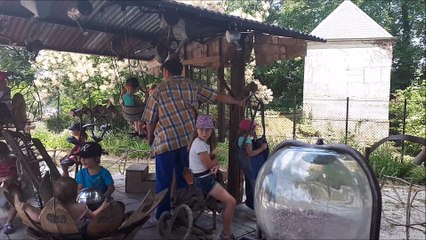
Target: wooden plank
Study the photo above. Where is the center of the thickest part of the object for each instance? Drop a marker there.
(269, 48)
(204, 61)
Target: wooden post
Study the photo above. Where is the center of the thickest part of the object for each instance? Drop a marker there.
(235, 116)
(220, 106)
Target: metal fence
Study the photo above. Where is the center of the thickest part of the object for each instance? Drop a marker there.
(350, 121)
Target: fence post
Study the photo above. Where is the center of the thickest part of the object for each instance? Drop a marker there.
(294, 118)
(404, 117)
(347, 120)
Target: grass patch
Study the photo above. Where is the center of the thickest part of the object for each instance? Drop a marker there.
(115, 142)
(118, 142)
(51, 140)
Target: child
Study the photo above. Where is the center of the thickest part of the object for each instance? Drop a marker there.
(65, 189)
(204, 169)
(79, 138)
(93, 175)
(129, 99)
(247, 129)
(8, 179)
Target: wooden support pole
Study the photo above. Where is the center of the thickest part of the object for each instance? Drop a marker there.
(235, 116)
(220, 106)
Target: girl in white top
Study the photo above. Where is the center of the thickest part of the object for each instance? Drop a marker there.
(204, 167)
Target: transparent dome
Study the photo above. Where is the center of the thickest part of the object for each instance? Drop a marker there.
(313, 193)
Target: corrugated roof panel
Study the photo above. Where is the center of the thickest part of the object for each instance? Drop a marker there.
(58, 31)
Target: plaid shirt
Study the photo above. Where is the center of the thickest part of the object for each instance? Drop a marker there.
(174, 103)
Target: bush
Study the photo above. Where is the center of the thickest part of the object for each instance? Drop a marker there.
(222, 153)
(58, 125)
(306, 130)
(386, 159)
(51, 140)
(417, 175)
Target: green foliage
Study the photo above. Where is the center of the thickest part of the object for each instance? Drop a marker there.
(17, 62)
(401, 18)
(286, 80)
(118, 141)
(417, 175)
(386, 160)
(306, 130)
(415, 124)
(57, 125)
(51, 140)
(415, 110)
(221, 152)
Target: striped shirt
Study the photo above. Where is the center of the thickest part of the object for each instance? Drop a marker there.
(174, 103)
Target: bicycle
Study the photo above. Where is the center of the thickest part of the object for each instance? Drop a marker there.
(97, 127)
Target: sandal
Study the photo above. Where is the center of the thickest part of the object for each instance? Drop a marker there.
(223, 236)
(8, 229)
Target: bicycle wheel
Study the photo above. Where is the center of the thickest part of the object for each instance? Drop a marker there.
(100, 128)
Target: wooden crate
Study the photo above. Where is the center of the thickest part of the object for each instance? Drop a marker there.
(136, 174)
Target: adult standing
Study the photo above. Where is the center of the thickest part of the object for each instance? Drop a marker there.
(170, 115)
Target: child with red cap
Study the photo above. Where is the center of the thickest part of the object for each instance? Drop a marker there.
(245, 142)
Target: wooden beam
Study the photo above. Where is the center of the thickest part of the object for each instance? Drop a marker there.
(235, 116)
(202, 62)
(220, 106)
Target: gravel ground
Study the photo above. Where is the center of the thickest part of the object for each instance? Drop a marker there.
(394, 201)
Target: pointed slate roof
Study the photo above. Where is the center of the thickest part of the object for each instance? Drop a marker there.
(348, 21)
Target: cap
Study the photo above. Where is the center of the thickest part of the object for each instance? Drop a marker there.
(245, 124)
(76, 127)
(204, 121)
(90, 149)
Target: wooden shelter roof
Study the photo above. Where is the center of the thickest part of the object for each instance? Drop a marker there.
(118, 28)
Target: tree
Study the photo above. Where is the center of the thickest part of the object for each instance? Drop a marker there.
(16, 61)
(83, 79)
(415, 113)
(403, 19)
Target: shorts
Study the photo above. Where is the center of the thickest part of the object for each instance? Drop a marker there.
(205, 184)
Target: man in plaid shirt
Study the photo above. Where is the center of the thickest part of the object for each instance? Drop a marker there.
(170, 114)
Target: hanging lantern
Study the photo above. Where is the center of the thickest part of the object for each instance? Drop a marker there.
(233, 36)
(308, 191)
